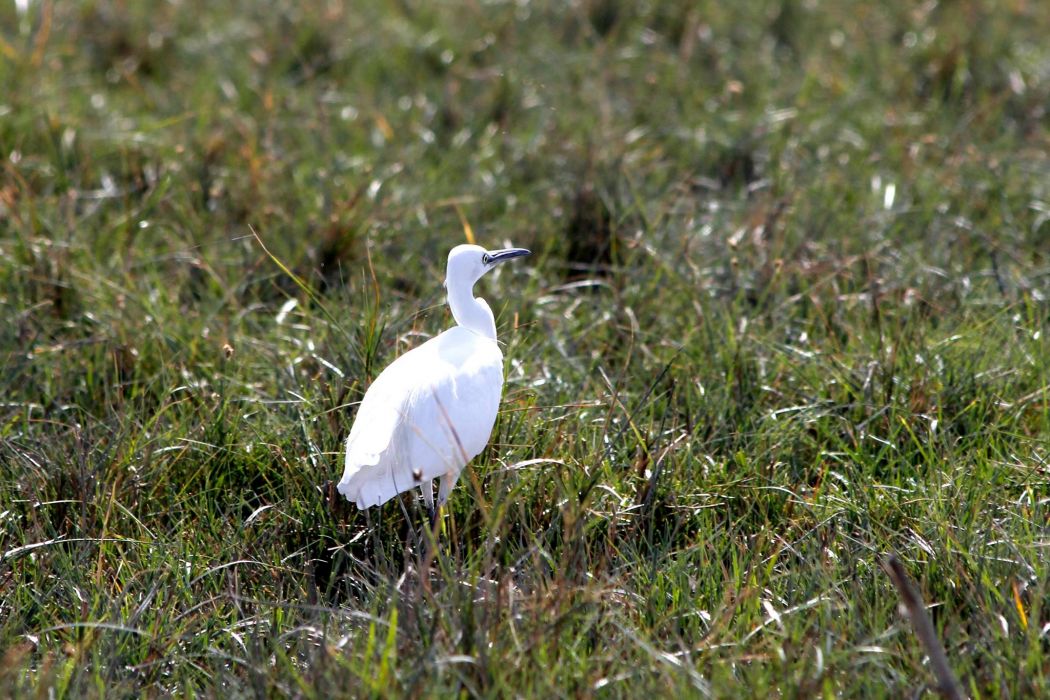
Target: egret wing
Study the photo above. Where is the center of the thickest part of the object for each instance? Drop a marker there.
(451, 416)
(426, 415)
(373, 436)
(380, 412)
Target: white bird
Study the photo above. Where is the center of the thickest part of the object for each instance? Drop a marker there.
(432, 409)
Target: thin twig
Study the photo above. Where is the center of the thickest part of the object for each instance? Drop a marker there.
(947, 684)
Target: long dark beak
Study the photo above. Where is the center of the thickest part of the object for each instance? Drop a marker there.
(498, 256)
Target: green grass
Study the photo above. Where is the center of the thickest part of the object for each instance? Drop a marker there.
(786, 313)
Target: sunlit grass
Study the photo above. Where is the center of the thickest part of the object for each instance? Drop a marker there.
(786, 314)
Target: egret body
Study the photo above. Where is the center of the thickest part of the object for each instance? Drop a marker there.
(432, 409)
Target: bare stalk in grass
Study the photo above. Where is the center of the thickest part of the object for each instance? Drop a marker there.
(947, 684)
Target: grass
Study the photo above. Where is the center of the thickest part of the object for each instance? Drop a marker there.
(787, 313)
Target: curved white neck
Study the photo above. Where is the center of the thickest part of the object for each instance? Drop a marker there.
(473, 314)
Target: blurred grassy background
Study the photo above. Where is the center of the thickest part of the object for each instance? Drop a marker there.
(786, 313)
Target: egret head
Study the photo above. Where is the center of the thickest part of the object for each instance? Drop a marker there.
(469, 262)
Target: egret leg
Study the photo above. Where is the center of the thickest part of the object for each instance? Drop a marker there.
(447, 482)
(427, 488)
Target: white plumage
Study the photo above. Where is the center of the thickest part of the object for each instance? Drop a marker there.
(431, 410)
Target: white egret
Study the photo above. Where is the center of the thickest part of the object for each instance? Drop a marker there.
(432, 409)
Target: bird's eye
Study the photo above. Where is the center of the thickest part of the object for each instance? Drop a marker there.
(486, 259)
